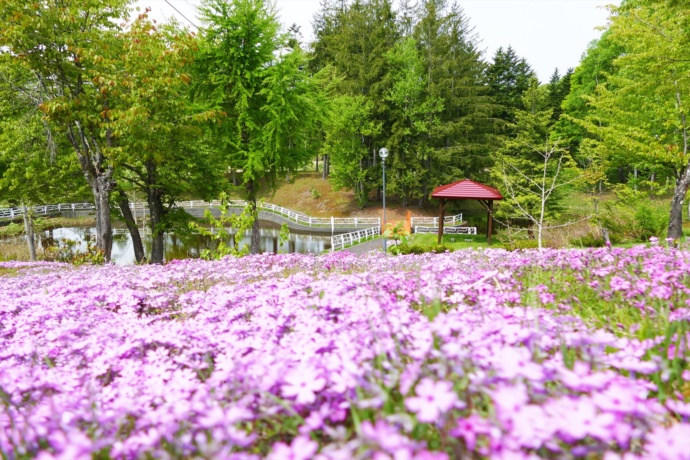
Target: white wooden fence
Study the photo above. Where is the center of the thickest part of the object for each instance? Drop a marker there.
(447, 230)
(303, 219)
(308, 221)
(46, 209)
(344, 239)
(433, 221)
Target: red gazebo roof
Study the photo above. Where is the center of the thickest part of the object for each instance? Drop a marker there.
(466, 189)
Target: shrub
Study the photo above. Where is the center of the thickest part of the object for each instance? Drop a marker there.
(520, 244)
(405, 248)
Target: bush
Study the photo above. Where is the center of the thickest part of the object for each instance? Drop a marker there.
(404, 248)
(634, 216)
(520, 244)
(67, 251)
(589, 240)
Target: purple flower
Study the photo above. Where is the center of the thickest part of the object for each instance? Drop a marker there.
(433, 399)
(669, 443)
(303, 383)
(302, 448)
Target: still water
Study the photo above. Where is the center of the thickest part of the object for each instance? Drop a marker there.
(187, 246)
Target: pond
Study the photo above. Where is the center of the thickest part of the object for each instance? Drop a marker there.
(188, 246)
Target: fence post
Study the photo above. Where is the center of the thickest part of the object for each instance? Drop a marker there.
(332, 225)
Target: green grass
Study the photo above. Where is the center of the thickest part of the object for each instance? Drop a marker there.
(454, 242)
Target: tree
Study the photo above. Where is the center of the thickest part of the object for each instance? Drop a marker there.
(593, 70)
(353, 40)
(160, 146)
(269, 107)
(533, 168)
(464, 135)
(508, 77)
(640, 112)
(558, 89)
(58, 42)
(414, 114)
(350, 123)
(33, 165)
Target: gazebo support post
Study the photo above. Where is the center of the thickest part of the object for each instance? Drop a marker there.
(441, 210)
(490, 221)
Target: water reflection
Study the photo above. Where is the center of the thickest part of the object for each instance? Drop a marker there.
(187, 246)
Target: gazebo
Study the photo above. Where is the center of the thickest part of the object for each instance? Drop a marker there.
(467, 190)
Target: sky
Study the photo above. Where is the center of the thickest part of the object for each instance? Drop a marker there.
(550, 34)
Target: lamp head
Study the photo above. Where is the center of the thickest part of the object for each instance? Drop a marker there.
(383, 153)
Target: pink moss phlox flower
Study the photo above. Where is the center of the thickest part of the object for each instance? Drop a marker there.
(303, 383)
(433, 399)
(669, 443)
(301, 448)
(469, 428)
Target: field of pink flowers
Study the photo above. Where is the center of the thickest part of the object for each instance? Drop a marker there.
(474, 354)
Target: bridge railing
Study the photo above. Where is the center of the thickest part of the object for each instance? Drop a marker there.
(433, 221)
(345, 239)
(45, 209)
(299, 218)
(308, 221)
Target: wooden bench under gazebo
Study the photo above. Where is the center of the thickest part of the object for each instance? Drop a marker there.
(467, 190)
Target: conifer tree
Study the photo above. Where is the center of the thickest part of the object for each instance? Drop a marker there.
(268, 107)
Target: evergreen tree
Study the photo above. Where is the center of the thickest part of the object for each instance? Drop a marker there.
(464, 135)
(508, 77)
(268, 107)
(353, 40)
(533, 167)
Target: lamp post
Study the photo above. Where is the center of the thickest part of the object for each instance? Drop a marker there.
(383, 153)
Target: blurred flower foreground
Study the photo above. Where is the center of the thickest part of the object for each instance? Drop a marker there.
(473, 354)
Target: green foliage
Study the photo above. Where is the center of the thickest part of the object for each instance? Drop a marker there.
(418, 87)
(345, 147)
(508, 77)
(516, 245)
(67, 251)
(590, 240)
(396, 232)
(266, 107)
(533, 170)
(405, 248)
(219, 231)
(284, 234)
(633, 216)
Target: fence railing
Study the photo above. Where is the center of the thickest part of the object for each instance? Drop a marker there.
(433, 221)
(299, 218)
(45, 209)
(307, 221)
(447, 230)
(344, 239)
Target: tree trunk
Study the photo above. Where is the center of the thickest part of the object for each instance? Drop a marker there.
(99, 176)
(157, 232)
(104, 227)
(157, 213)
(255, 245)
(29, 230)
(326, 167)
(317, 163)
(675, 222)
(127, 216)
